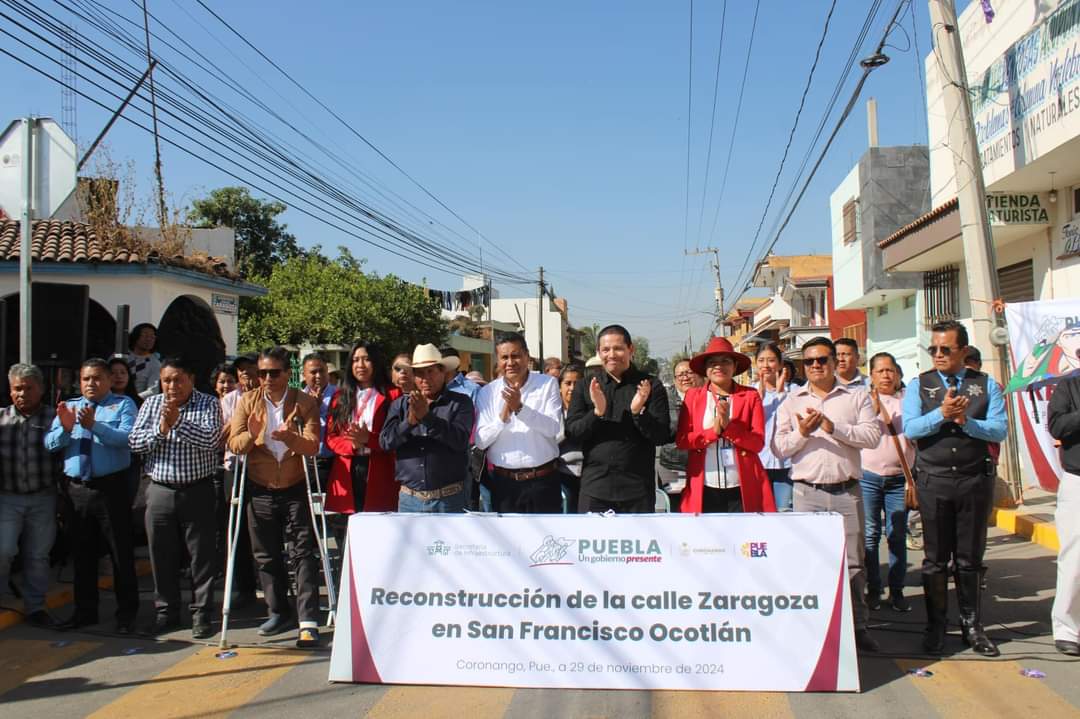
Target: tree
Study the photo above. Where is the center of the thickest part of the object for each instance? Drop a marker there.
(262, 242)
(642, 360)
(588, 339)
(322, 301)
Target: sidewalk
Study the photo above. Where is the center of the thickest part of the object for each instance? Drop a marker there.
(1034, 519)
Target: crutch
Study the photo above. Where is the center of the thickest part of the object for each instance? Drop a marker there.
(236, 516)
(318, 525)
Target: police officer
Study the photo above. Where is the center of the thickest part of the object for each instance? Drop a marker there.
(953, 413)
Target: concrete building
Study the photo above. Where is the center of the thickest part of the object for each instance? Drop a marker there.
(81, 279)
(886, 190)
(799, 304)
(1025, 80)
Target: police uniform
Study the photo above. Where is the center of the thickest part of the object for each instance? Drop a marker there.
(955, 486)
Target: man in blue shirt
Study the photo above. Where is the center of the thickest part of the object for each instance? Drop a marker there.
(952, 413)
(317, 384)
(92, 431)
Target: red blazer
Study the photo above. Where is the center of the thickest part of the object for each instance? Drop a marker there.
(382, 489)
(745, 430)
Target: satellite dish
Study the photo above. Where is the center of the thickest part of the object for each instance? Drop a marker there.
(999, 336)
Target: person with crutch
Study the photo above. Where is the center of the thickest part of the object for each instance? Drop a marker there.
(179, 431)
(264, 430)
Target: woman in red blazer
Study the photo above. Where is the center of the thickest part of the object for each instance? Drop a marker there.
(362, 477)
(722, 425)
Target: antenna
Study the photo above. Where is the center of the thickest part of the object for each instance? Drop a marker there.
(69, 118)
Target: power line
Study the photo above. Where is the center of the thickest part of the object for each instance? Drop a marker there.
(791, 135)
(217, 73)
(838, 88)
(385, 228)
(689, 113)
(869, 65)
(94, 53)
(712, 124)
(357, 133)
(735, 126)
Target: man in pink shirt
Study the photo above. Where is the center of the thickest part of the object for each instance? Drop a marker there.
(821, 427)
(883, 484)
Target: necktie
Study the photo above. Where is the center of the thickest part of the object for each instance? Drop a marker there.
(952, 382)
(86, 446)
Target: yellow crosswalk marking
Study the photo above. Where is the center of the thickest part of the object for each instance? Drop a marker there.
(203, 685)
(407, 702)
(685, 705)
(23, 659)
(973, 688)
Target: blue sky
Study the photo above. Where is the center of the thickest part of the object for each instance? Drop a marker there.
(558, 129)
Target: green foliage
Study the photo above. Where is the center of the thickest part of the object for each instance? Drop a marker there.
(588, 339)
(642, 360)
(262, 242)
(318, 300)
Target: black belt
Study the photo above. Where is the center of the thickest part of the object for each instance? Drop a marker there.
(832, 487)
(184, 485)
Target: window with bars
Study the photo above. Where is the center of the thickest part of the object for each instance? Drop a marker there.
(851, 222)
(941, 288)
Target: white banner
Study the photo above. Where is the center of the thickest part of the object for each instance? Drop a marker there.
(670, 601)
(1043, 339)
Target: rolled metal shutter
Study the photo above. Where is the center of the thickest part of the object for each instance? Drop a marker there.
(1017, 282)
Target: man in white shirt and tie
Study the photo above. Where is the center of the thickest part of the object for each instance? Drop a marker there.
(520, 420)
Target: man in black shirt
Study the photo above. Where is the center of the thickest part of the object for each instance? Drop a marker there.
(620, 417)
(1064, 424)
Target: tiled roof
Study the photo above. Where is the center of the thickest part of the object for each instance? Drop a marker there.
(75, 242)
(918, 222)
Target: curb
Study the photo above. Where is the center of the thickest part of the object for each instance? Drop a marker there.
(1040, 531)
(60, 597)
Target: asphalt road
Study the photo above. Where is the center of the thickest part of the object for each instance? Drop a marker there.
(48, 674)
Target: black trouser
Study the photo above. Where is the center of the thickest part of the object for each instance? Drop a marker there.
(572, 485)
(274, 516)
(187, 514)
(323, 465)
(539, 495)
(99, 513)
(721, 501)
(640, 505)
(954, 516)
(359, 470)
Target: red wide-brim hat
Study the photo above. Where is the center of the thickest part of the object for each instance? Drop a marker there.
(720, 346)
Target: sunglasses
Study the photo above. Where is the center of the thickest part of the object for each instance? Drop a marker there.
(821, 361)
(270, 373)
(943, 350)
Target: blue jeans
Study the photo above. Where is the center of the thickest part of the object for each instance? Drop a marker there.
(447, 505)
(781, 488)
(885, 494)
(33, 517)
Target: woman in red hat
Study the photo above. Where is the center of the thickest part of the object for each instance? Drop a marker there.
(722, 425)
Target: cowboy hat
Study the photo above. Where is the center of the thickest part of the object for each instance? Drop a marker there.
(721, 347)
(429, 355)
(593, 361)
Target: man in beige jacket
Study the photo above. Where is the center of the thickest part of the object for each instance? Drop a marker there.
(275, 427)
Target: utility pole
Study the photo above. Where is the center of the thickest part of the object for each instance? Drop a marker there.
(719, 292)
(162, 213)
(980, 260)
(689, 336)
(540, 315)
(25, 257)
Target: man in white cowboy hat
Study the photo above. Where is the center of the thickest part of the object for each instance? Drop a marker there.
(429, 429)
(520, 421)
